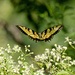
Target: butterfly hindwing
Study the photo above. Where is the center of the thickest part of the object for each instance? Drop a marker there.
(45, 35)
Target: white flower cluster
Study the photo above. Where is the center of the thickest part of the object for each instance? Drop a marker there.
(7, 64)
(51, 62)
(41, 57)
(69, 41)
(55, 57)
(39, 72)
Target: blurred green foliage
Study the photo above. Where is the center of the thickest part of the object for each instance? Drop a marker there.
(38, 15)
(42, 12)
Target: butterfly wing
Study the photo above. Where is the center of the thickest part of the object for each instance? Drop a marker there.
(45, 35)
(32, 34)
(48, 33)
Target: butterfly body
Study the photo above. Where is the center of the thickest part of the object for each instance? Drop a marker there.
(45, 35)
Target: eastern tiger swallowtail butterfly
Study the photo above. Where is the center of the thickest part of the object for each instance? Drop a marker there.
(43, 36)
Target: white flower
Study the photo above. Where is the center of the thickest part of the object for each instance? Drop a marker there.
(31, 66)
(2, 73)
(16, 48)
(10, 57)
(68, 58)
(58, 58)
(22, 55)
(72, 62)
(52, 53)
(39, 72)
(1, 52)
(67, 39)
(64, 47)
(49, 65)
(8, 46)
(20, 62)
(46, 50)
(53, 49)
(1, 48)
(56, 63)
(59, 47)
(28, 45)
(26, 71)
(73, 42)
(55, 45)
(8, 49)
(2, 65)
(26, 48)
(1, 59)
(63, 56)
(51, 60)
(41, 57)
(70, 43)
(62, 61)
(16, 69)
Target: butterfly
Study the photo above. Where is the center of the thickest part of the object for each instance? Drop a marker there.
(43, 36)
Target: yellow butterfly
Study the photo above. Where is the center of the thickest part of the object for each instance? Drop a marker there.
(45, 35)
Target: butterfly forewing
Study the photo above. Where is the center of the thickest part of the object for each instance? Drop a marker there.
(29, 32)
(48, 33)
